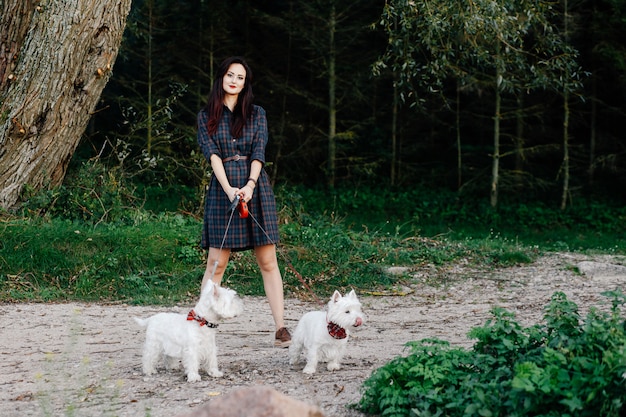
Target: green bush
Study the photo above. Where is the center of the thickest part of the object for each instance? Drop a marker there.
(562, 368)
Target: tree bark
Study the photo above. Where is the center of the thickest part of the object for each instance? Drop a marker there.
(565, 168)
(394, 133)
(459, 153)
(332, 103)
(495, 159)
(519, 138)
(566, 112)
(55, 59)
(593, 127)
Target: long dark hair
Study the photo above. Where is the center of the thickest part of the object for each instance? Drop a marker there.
(215, 104)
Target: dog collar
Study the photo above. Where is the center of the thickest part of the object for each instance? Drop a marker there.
(203, 322)
(336, 331)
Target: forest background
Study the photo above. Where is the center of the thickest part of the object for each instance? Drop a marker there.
(401, 94)
(521, 101)
(412, 118)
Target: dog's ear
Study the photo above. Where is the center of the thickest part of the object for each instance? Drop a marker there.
(352, 294)
(336, 296)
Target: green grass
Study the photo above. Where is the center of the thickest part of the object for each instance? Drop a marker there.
(157, 260)
(140, 257)
(586, 224)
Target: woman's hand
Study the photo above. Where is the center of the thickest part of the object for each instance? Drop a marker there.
(246, 192)
(232, 193)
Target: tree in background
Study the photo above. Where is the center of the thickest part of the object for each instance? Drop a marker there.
(165, 68)
(421, 54)
(502, 47)
(56, 59)
(333, 38)
(601, 29)
(454, 94)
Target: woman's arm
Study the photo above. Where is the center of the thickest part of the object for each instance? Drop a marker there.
(220, 174)
(207, 145)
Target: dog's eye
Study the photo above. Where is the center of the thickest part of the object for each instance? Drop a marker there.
(347, 311)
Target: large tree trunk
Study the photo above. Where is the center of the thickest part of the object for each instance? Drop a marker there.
(55, 59)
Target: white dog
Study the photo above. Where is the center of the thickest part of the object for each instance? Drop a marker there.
(190, 337)
(324, 334)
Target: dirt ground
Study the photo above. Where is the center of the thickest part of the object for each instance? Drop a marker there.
(85, 359)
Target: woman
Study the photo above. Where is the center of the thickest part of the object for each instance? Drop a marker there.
(232, 133)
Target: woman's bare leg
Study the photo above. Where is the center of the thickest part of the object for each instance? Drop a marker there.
(212, 271)
(272, 281)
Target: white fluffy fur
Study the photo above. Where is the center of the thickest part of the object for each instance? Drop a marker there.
(312, 337)
(170, 336)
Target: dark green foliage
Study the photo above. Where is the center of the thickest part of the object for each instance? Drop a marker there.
(427, 211)
(171, 49)
(92, 193)
(564, 367)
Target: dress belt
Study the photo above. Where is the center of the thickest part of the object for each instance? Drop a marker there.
(234, 158)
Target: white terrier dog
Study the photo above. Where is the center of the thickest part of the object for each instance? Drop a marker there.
(190, 337)
(324, 334)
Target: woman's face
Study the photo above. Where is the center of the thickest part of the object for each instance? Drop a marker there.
(234, 79)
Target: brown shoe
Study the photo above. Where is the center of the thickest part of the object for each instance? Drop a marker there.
(283, 338)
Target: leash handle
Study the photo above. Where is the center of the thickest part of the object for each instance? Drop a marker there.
(241, 206)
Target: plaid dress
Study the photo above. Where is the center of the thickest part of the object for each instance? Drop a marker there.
(242, 234)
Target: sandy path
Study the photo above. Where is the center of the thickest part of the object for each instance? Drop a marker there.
(85, 359)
